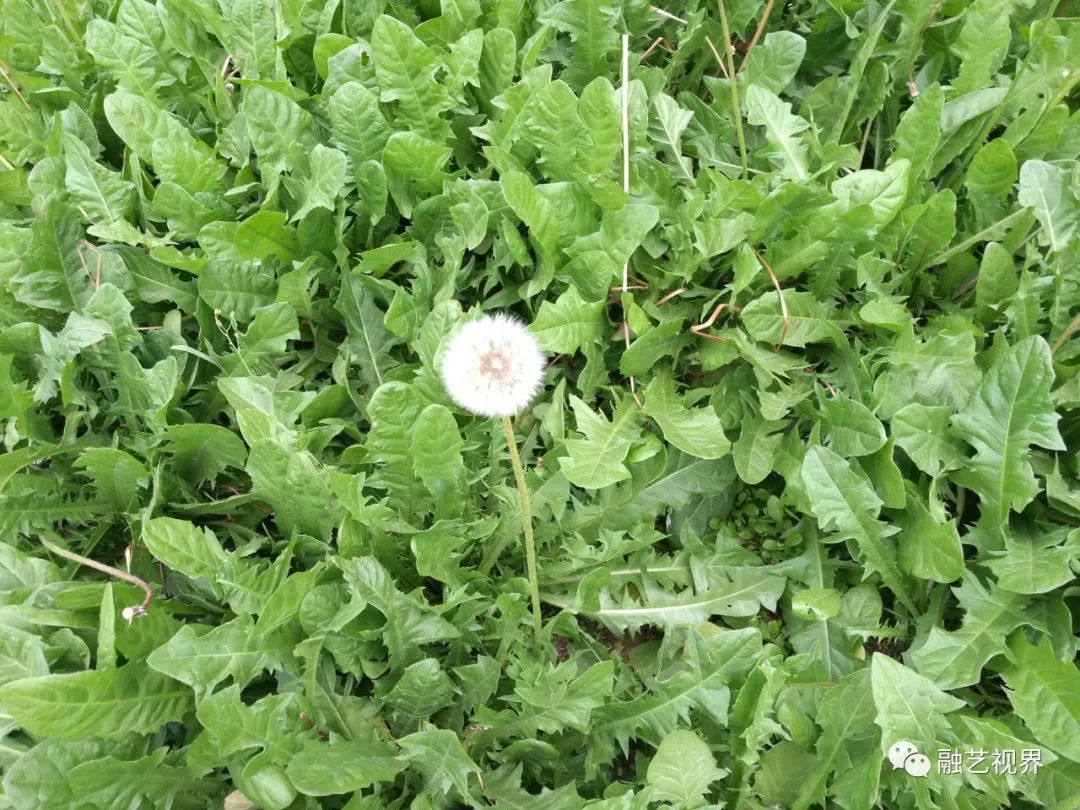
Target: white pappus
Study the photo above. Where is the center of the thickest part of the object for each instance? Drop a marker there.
(493, 366)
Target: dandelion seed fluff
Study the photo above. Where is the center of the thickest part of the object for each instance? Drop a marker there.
(493, 366)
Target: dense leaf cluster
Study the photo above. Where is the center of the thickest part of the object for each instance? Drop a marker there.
(835, 508)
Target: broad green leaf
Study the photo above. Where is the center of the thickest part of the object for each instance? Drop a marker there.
(596, 460)
(884, 191)
(697, 431)
(566, 324)
(406, 68)
(280, 129)
(919, 131)
(118, 476)
(1045, 693)
(851, 428)
(703, 687)
(683, 769)
(774, 62)
(954, 658)
(60, 350)
(1008, 413)
(909, 706)
(1038, 563)
(321, 184)
(358, 125)
(295, 486)
(1046, 188)
(922, 431)
(180, 545)
(252, 36)
(846, 715)
(993, 170)
(369, 341)
(997, 282)
(422, 690)
(439, 755)
(667, 129)
(51, 274)
(102, 194)
(929, 548)
(843, 501)
(108, 703)
(203, 660)
(552, 123)
(236, 292)
(341, 766)
(130, 62)
(782, 128)
(807, 320)
(436, 447)
(408, 624)
(982, 43)
(267, 334)
(755, 449)
(593, 37)
(739, 592)
(666, 339)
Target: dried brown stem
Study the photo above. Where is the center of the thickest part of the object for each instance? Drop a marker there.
(671, 295)
(95, 278)
(1063, 338)
(699, 328)
(719, 59)
(757, 33)
(137, 610)
(780, 293)
(12, 85)
(667, 14)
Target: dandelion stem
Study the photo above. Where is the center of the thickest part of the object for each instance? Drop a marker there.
(734, 88)
(526, 519)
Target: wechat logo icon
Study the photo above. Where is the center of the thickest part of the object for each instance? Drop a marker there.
(903, 754)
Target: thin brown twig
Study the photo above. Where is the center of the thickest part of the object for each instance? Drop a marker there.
(1063, 338)
(137, 610)
(780, 293)
(865, 141)
(639, 284)
(719, 59)
(12, 85)
(668, 14)
(757, 33)
(671, 295)
(95, 278)
(658, 41)
(699, 328)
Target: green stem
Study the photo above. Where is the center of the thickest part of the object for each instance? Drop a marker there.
(734, 88)
(526, 519)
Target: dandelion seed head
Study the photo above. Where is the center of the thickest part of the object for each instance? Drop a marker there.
(493, 366)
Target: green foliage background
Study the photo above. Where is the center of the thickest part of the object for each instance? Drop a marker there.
(234, 236)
